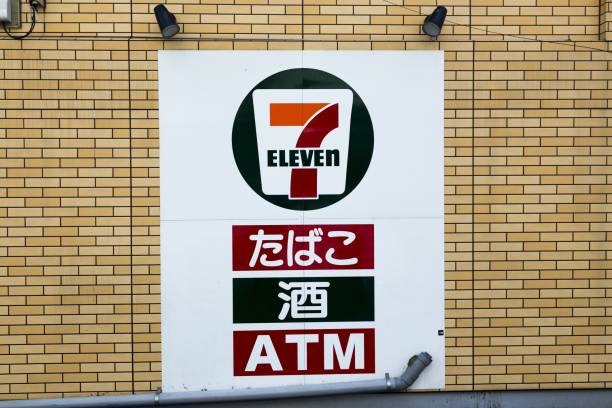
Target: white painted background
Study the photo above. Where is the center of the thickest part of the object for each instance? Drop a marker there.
(203, 194)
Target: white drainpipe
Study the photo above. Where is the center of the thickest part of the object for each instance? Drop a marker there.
(415, 366)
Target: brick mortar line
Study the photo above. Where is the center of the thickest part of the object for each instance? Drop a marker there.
(569, 43)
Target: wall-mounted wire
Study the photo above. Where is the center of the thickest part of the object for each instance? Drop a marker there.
(34, 6)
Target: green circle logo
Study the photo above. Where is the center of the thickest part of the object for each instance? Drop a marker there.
(302, 139)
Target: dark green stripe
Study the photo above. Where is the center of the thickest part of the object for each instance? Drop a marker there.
(349, 299)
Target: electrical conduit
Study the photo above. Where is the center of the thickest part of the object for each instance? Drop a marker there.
(415, 366)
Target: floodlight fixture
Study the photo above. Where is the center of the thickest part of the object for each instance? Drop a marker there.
(432, 26)
(166, 21)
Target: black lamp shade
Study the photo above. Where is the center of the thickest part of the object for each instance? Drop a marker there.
(166, 21)
(434, 22)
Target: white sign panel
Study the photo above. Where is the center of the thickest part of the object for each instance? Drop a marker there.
(301, 217)
(5, 10)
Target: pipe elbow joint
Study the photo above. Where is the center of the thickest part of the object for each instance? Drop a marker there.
(415, 367)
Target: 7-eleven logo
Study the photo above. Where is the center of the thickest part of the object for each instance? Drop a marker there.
(302, 141)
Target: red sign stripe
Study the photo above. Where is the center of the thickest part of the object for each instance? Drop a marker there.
(304, 181)
(331, 351)
(293, 114)
(286, 252)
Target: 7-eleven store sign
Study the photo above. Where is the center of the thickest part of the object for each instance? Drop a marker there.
(301, 217)
(303, 140)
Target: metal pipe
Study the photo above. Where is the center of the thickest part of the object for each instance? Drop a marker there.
(415, 366)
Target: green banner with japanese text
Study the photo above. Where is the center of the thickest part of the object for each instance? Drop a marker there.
(315, 299)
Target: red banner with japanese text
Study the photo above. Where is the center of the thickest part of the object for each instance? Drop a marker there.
(302, 247)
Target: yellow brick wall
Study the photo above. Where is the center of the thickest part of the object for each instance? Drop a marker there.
(528, 171)
(605, 20)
